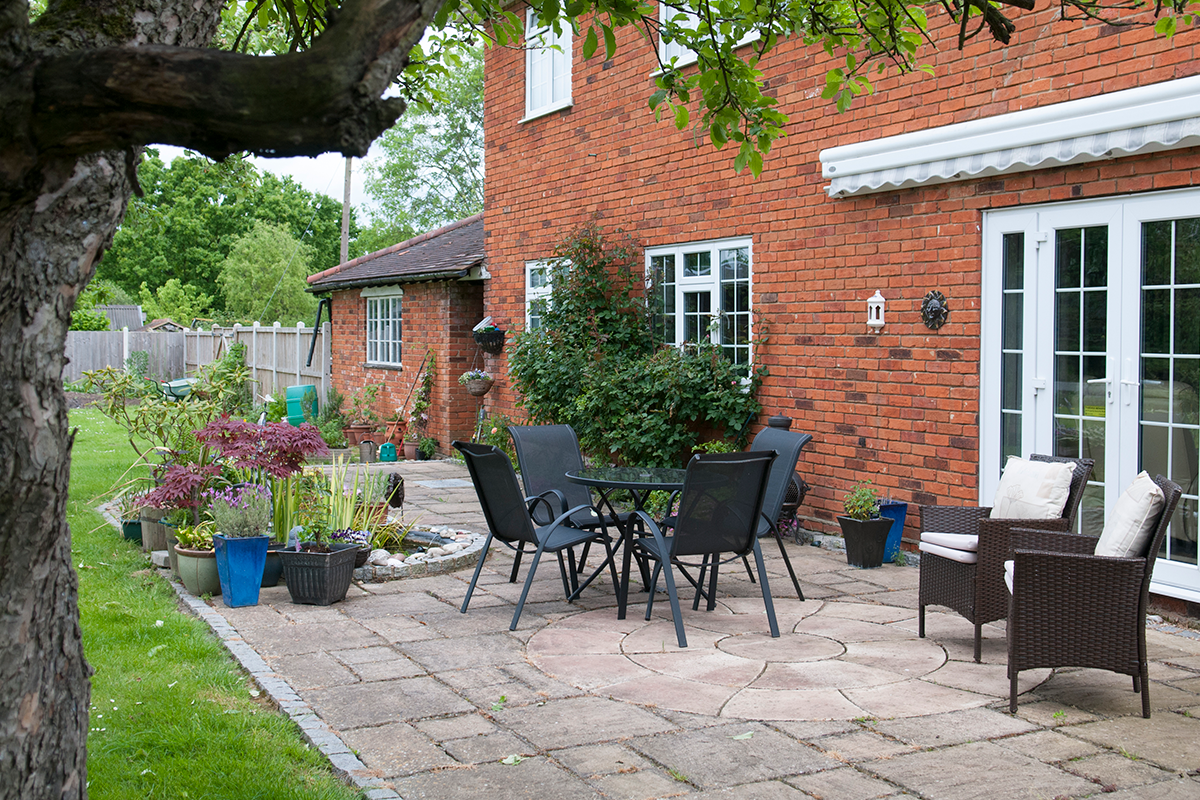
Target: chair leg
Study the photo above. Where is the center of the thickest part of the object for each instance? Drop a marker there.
(1145, 690)
(609, 561)
(478, 569)
(653, 589)
(1012, 692)
(749, 572)
(787, 562)
(674, 598)
(512, 577)
(766, 590)
(712, 583)
(568, 585)
(978, 642)
(537, 556)
(700, 583)
(921, 620)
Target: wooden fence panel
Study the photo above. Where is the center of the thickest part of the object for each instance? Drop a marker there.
(276, 355)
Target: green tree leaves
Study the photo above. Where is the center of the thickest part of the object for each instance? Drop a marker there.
(431, 172)
(263, 277)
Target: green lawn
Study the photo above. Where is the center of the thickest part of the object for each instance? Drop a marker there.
(172, 714)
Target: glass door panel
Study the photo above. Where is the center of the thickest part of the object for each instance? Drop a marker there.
(1081, 386)
(1169, 419)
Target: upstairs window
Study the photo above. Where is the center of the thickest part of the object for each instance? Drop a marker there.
(384, 326)
(668, 50)
(701, 292)
(547, 68)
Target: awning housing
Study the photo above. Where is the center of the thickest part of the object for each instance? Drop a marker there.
(1148, 119)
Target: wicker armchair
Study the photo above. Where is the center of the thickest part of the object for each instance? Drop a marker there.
(1070, 608)
(977, 590)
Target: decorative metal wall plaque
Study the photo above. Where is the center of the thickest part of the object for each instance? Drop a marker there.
(934, 311)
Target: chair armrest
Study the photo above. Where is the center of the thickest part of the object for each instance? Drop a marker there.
(1074, 585)
(660, 543)
(544, 499)
(1051, 541)
(952, 519)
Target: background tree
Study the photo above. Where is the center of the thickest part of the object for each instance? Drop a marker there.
(431, 170)
(175, 301)
(262, 279)
(87, 84)
(193, 212)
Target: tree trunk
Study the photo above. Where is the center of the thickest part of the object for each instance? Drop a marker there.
(48, 250)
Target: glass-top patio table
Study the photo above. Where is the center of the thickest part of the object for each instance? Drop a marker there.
(639, 482)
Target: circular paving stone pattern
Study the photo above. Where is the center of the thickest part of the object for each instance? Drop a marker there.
(832, 661)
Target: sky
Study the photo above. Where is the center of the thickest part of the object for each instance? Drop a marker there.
(324, 174)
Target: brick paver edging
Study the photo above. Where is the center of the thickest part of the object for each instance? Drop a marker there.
(345, 764)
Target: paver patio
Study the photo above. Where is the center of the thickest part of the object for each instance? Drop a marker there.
(847, 704)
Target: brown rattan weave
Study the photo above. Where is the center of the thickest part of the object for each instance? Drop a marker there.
(977, 591)
(1070, 608)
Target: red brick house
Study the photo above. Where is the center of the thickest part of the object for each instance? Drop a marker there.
(393, 307)
(1048, 189)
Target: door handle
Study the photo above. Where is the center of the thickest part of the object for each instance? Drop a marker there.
(1108, 395)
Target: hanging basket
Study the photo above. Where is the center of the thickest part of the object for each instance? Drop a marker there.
(490, 341)
(480, 386)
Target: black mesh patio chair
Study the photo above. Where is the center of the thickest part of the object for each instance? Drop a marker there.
(510, 521)
(719, 511)
(788, 445)
(545, 454)
(1071, 608)
(975, 589)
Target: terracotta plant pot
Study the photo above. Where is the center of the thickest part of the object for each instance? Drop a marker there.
(356, 433)
(410, 451)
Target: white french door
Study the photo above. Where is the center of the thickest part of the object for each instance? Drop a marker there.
(1091, 348)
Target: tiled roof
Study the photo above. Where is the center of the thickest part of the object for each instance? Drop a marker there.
(447, 253)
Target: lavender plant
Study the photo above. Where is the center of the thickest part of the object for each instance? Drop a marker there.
(240, 511)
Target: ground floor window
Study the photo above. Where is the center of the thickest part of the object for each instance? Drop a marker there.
(538, 276)
(701, 292)
(384, 327)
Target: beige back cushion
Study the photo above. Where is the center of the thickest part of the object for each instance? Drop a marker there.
(1032, 489)
(1133, 519)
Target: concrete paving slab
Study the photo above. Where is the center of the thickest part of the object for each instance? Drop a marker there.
(713, 758)
(1178, 789)
(362, 705)
(957, 727)
(640, 785)
(858, 746)
(312, 670)
(459, 726)
(1049, 746)
(1118, 772)
(396, 749)
(1169, 740)
(575, 721)
(530, 779)
(490, 747)
(439, 655)
(844, 784)
(978, 771)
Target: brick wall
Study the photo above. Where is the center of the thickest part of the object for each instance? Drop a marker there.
(437, 316)
(901, 407)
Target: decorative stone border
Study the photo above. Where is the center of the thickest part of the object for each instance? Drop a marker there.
(451, 562)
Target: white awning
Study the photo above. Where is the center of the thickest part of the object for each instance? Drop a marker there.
(1164, 116)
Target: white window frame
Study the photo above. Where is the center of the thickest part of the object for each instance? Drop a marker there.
(534, 294)
(669, 50)
(383, 347)
(546, 56)
(711, 282)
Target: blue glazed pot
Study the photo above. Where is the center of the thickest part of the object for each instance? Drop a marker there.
(240, 562)
(896, 512)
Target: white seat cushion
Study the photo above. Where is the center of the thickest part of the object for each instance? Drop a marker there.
(1008, 574)
(961, 556)
(1032, 489)
(955, 541)
(1133, 518)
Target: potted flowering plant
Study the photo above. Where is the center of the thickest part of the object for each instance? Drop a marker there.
(241, 514)
(317, 571)
(196, 559)
(477, 381)
(362, 418)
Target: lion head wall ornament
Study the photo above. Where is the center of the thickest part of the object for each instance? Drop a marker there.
(934, 310)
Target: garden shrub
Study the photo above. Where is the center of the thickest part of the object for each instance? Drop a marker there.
(594, 365)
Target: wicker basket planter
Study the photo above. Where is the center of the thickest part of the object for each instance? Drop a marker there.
(319, 579)
(490, 341)
(479, 387)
